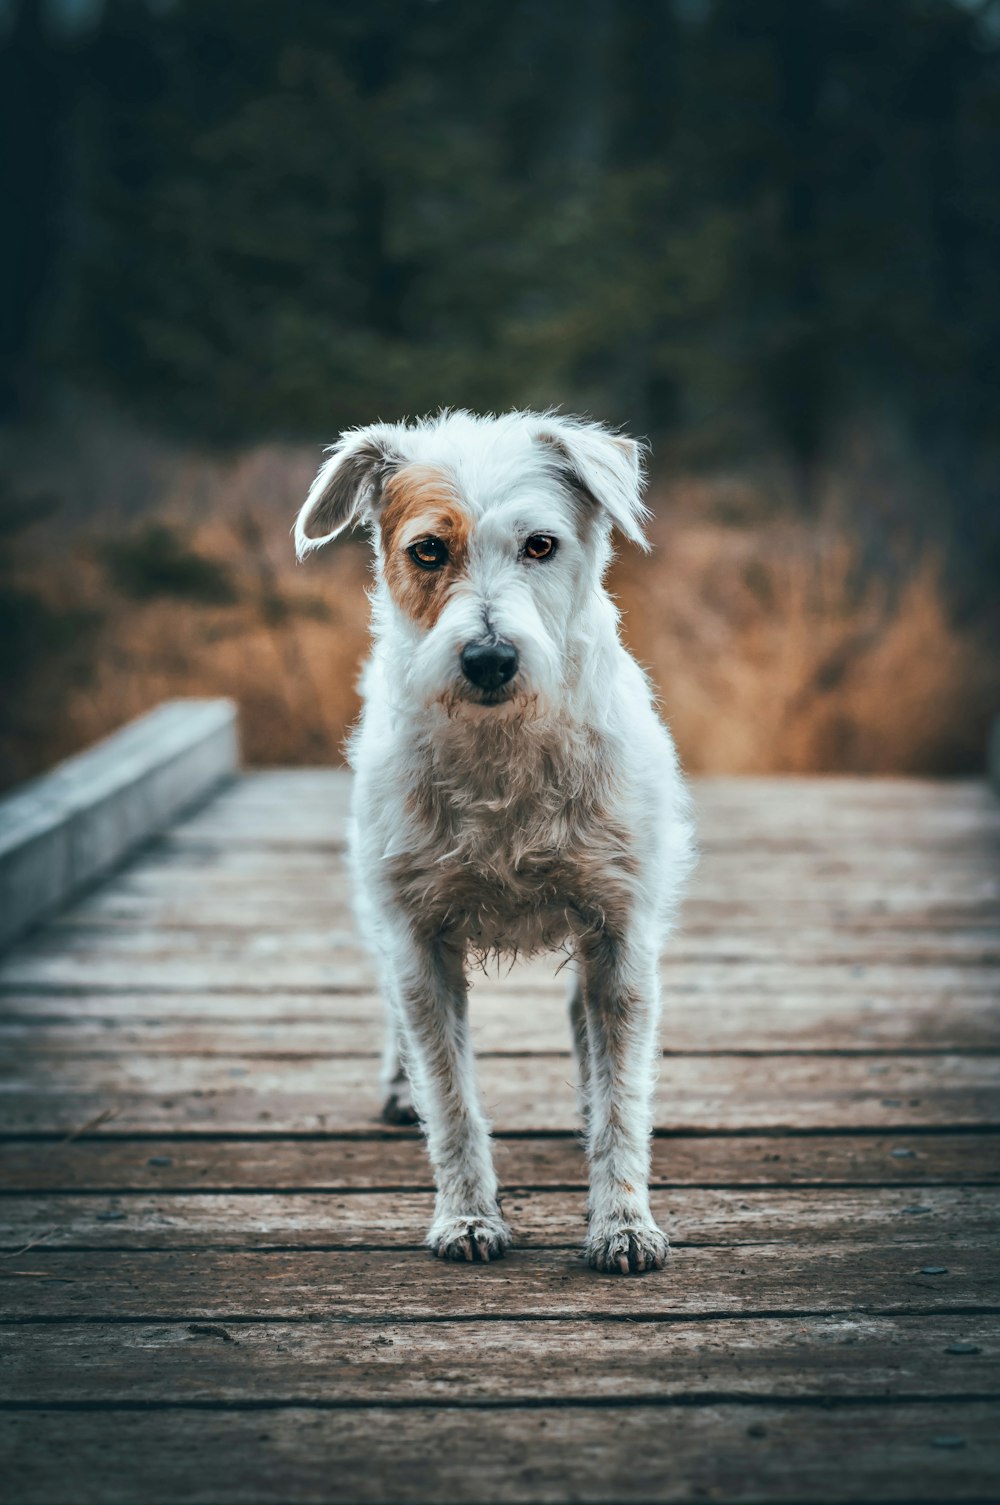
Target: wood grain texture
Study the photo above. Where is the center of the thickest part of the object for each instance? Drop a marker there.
(467, 1363)
(505, 1022)
(399, 1219)
(379, 1285)
(732, 1453)
(212, 1285)
(150, 1094)
(105, 1162)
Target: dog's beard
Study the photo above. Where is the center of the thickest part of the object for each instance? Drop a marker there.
(434, 676)
(487, 698)
(510, 702)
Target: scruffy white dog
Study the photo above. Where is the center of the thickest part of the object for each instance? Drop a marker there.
(514, 791)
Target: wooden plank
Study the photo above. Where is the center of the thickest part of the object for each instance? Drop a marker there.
(377, 1285)
(823, 810)
(65, 829)
(736, 1453)
(504, 1021)
(816, 791)
(231, 1273)
(976, 946)
(395, 1219)
(147, 1094)
(270, 966)
(512, 995)
(834, 874)
(835, 1357)
(756, 840)
(398, 1158)
(259, 907)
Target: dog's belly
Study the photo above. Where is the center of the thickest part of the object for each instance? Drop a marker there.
(512, 921)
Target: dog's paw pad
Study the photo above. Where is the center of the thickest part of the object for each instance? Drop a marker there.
(628, 1249)
(474, 1240)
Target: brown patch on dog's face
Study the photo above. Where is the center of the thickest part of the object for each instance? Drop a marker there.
(421, 503)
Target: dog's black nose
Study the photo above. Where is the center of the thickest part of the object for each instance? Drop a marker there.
(489, 665)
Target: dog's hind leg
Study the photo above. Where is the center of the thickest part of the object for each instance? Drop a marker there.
(397, 1107)
(621, 998)
(431, 995)
(577, 1009)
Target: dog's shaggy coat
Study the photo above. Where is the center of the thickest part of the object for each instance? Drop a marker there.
(514, 788)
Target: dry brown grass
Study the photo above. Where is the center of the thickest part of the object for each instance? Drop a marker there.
(772, 655)
(287, 651)
(770, 648)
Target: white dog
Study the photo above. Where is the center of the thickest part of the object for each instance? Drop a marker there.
(514, 789)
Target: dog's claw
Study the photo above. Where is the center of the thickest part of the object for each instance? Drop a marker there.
(630, 1249)
(472, 1240)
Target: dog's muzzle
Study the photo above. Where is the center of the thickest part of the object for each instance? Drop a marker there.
(489, 666)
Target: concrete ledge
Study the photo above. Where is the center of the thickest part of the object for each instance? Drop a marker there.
(60, 832)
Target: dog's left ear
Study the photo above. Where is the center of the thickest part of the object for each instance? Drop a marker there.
(348, 485)
(604, 467)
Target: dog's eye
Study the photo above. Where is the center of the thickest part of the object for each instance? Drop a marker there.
(429, 553)
(539, 546)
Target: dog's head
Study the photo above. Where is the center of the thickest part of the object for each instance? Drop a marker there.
(491, 535)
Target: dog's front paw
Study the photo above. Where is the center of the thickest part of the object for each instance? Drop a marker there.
(627, 1248)
(477, 1238)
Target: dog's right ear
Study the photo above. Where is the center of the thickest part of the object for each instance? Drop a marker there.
(348, 485)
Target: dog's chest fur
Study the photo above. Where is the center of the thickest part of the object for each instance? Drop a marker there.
(511, 840)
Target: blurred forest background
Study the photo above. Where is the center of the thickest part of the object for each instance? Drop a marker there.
(764, 235)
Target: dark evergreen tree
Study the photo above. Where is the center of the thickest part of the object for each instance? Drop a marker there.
(738, 225)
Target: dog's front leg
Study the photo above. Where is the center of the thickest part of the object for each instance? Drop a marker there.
(431, 995)
(621, 993)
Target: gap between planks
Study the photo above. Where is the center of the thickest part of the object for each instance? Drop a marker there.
(697, 1094)
(398, 1160)
(379, 1218)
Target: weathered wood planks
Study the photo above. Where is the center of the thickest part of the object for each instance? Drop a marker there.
(340, 1095)
(853, 1453)
(212, 1285)
(103, 1161)
(467, 1362)
(377, 1285)
(541, 1219)
(503, 1023)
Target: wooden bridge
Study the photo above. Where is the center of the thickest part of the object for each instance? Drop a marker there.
(212, 1277)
